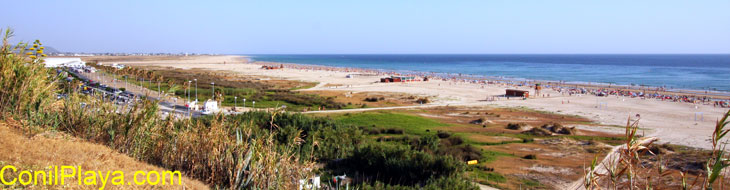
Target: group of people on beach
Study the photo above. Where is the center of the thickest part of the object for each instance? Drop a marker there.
(695, 99)
(659, 93)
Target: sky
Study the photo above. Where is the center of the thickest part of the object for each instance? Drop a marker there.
(374, 26)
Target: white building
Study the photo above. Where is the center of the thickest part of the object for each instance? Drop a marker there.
(64, 62)
(117, 65)
(210, 107)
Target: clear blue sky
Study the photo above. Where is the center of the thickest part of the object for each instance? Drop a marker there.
(374, 26)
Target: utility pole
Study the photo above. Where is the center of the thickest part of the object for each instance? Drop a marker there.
(213, 83)
(196, 91)
(188, 90)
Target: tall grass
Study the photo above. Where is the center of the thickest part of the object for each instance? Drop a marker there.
(625, 168)
(26, 85)
(220, 152)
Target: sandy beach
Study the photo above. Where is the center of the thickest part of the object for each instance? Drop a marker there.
(672, 122)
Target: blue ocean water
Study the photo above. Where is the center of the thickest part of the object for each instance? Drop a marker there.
(700, 72)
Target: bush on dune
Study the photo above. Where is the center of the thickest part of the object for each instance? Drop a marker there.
(397, 165)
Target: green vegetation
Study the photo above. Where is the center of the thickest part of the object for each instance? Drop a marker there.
(408, 123)
(490, 176)
(530, 183)
(490, 156)
(306, 86)
(25, 84)
(255, 150)
(180, 83)
(608, 140)
(398, 164)
(449, 182)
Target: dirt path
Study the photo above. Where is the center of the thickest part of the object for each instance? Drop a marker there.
(484, 187)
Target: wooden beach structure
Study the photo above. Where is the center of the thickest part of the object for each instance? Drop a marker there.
(519, 93)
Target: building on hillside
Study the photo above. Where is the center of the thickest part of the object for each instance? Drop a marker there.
(64, 62)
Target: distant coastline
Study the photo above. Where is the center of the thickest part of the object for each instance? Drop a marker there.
(714, 67)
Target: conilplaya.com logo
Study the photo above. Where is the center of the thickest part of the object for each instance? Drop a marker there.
(66, 175)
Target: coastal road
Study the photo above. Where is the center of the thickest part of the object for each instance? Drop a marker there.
(166, 106)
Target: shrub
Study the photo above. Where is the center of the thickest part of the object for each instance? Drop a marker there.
(538, 132)
(515, 126)
(449, 182)
(392, 131)
(530, 157)
(397, 165)
(371, 99)
(334, 141)
(463, 153)
(559, 129)
(453, 141)
(428, 143)
(480, 121)
(485, 168)
(370, 131)
(443, 134)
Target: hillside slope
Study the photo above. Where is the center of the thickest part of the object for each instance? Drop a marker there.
(57, 149)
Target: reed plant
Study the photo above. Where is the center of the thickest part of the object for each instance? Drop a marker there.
(26, 86)
(623, 168)
(221, 152)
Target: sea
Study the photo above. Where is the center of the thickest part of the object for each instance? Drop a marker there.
(703, 72)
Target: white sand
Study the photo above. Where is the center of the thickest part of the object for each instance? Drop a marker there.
(669, 121)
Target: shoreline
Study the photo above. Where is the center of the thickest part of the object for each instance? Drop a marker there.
(720, 95)
(625, 85)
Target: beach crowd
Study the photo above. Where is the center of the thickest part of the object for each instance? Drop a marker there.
(658, 93)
